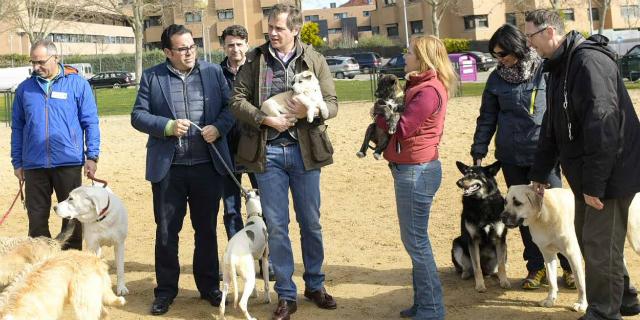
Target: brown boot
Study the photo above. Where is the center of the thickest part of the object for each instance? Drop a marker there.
(321, 298)
(284, 310)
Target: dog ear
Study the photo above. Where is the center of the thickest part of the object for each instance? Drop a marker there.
(462, 167)
(493, 169)
(536, 201)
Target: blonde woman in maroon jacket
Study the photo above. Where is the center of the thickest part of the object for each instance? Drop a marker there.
(416, 169)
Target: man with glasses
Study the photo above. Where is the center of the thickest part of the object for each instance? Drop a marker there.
(54, 133)
(175, 99)
(592, 127)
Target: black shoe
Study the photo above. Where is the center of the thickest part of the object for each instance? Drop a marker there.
(409, 312)
(214, 297)
(160, 305)
(631, 310)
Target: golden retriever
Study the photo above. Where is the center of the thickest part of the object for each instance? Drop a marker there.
(78, 279)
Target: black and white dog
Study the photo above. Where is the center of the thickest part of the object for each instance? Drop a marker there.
(389, 105)
(482, 248)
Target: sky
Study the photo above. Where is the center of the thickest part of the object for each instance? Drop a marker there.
(319, 4)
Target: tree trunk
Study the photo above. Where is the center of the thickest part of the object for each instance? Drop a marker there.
(603, 15)
(138, 31)
(435, 20)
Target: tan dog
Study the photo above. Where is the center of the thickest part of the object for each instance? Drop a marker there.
(76, 278)
(550, 220)
(306, 90)
(18, 253)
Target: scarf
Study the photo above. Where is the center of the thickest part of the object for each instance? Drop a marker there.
(522, 70)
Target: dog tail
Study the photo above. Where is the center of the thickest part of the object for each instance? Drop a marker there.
(63, 237)
(633, 225)
(234, 277)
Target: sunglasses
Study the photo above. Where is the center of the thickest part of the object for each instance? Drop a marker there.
(500, 54)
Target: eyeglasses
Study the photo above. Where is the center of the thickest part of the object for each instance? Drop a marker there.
(184, 50)
(40, 62)
(533, 34)
(500, 54)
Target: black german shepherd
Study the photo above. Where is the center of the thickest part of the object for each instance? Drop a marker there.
(482, 248)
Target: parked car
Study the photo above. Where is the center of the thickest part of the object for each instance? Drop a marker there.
(394, 66)
(368, 61)
(484, 61)
(115, 79)
(343, 67)
(629, 64)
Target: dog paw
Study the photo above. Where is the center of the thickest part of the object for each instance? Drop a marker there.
(121, 290)
(120, 301)
(547, 303)
(579, 306)
(505, 284)
(360, 154)
(480, 287)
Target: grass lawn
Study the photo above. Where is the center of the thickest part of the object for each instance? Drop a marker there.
(119, 101)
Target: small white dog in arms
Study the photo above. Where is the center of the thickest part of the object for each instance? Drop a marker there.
(246, 246)
(306, 90)
(104, 223)
(73, 278)
(550, 221)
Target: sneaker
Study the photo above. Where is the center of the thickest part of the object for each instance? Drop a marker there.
(569, 279)
(535, 279)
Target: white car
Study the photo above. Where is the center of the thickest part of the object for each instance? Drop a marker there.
(343, 67)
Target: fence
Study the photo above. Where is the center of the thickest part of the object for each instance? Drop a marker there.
(6, 98)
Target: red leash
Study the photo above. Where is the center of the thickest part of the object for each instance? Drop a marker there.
(19, 194)
(93, 178)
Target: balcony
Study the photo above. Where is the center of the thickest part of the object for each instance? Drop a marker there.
(268, 3)
(221, 25)
(152, 34)
(224, 4)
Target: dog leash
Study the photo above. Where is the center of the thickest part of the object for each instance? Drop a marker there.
(226, 166)
(19, 194)
(93, 179)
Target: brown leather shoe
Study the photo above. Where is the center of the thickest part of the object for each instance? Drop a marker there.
(284, 310)
(321, 298)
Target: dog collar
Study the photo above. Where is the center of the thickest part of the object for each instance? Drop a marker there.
(103, 212)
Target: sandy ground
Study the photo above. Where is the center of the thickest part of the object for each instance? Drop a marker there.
(367, 268)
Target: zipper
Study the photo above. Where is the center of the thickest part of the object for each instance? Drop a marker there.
(46, 125)
(187, 113)
(532, 105)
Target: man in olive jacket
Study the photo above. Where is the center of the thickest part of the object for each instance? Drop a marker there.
(286, 153)
(592, 127)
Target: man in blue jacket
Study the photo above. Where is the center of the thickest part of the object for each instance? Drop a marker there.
(52, 111)
(182, 166)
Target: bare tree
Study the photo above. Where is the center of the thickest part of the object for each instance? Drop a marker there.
(37, 18)
(438, 9)
(605, 5)
(134, 11)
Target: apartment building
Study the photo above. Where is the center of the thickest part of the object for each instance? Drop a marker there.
(478, 19)
(352, 19)
(90, 34)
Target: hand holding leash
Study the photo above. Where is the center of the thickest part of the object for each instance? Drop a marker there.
(210, 133)
(593, 202)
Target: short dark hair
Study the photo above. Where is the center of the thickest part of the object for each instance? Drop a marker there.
(545, 18)
(294, 17)
(511, 40)
(235, 31)
(170, 31)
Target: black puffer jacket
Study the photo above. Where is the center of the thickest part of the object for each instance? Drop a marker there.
(597, 136)
(515, 110)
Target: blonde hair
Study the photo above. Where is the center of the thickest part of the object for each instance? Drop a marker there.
(432, 55)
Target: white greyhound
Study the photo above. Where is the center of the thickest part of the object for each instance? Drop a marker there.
(246, 246)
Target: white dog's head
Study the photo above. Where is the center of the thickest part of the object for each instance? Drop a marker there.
(84, 203)
(305, 81)
(254, 208)
(522, 203)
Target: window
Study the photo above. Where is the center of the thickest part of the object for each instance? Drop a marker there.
(190, 17)
(510, 18)
(334, 30)
(473, 22)
(153, 21)
(265, 11)
(366, 13)
(568, 14)
(595, 14)
(332, 5)
(632, 11)
(225, 14)
(314, 17)
(375, 30)
(364, 28)
(416, 27)
(392, 30)
(340, 15)
(389, 2)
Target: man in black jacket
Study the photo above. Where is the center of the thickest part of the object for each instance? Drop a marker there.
(591, 126)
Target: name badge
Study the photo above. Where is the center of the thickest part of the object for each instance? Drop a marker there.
(58, 95)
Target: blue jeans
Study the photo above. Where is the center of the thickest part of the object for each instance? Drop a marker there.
(285, 170)
(415, 187)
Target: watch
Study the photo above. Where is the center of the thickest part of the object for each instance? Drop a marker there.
(94, 159)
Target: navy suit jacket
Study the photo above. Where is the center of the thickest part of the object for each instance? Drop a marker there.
(153, 109)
